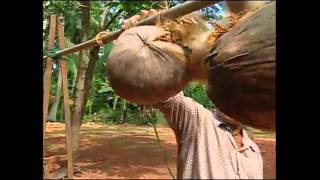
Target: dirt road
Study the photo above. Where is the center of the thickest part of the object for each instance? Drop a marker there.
(128, 152)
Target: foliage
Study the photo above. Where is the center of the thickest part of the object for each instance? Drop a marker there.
(215, 11)
(197, 91)
(103, 105)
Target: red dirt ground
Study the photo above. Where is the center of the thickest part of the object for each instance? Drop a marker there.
(128, 151)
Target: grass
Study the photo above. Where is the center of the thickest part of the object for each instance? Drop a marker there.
(261, 134)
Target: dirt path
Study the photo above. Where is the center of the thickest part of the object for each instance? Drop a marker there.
(128, 152)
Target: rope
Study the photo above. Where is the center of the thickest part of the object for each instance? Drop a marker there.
(158, 20)
(163, 152)
(98, 37)
(52, 53)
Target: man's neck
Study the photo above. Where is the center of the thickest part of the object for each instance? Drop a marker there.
(234, 126)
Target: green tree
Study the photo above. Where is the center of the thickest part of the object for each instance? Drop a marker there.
(197, 91)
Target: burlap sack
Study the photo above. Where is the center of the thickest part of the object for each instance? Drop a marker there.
(144, 70)
(242, 70)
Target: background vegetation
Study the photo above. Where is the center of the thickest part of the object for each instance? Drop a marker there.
(102, 105)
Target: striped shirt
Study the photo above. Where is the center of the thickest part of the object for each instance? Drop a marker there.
(207, 150)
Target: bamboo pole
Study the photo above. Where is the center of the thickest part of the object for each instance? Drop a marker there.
(67, 114)
(173, 13)
(47, 80)
(63, 72)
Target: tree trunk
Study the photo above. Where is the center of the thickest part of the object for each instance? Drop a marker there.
(75, 72)
(94, 53)
(242, 70)
(85, 72)
(124, 112)
(54, 108)
(115, 101)
(141, 112)
(80, 82)
(90, 71)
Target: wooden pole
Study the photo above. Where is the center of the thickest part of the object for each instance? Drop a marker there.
(47, 81)
(48, 72)
(57, 23)
(67, 114)
(173, 13)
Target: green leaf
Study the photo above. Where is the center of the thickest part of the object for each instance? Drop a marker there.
(47, 3)
(106, 89)
(112, 4)
(145, 6)
(121, 6)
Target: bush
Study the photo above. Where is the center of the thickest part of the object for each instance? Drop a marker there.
(130, 116)
(197, 91)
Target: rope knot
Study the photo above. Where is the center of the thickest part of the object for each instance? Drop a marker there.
(98, 37)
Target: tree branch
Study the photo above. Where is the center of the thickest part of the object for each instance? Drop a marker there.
(104, 18)
(94, 54)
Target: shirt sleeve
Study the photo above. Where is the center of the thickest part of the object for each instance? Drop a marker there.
(181, 113)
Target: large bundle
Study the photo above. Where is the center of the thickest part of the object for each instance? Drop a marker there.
(149, 64)
(242, 69)
(144, 70)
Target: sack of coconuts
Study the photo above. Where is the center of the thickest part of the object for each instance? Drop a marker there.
(149, 64)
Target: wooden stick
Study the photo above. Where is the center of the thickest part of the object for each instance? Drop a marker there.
(67, 114)
(173, 13)
(47, 74)
(47, 79)
(60, 27)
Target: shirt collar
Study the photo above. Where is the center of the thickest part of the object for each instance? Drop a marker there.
(247, 142)
(218, 119)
